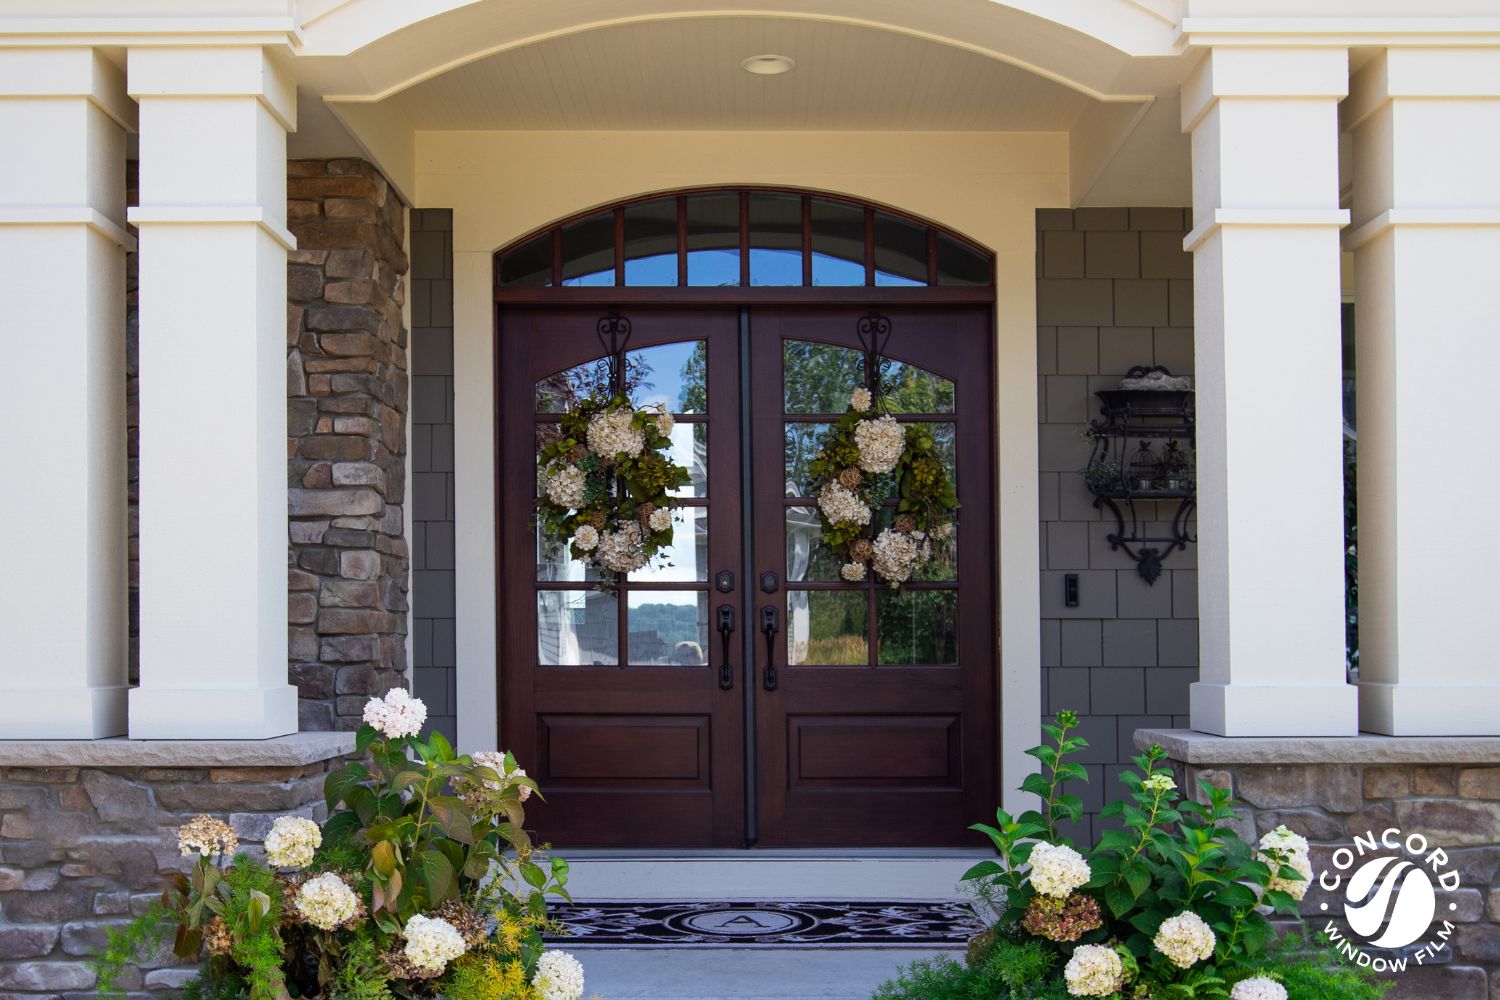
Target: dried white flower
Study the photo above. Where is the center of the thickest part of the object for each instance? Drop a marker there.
(613, 433)
(586, 537)
(292, 842)
(854, 572)
(881, 442)
(1185, 939)
(206, 837)
(431, 943)
(623, 549)
(897, 553)
(842, 506)
(665, 423)
(397, 715)
(326, 901)
(860, 399)
(566, 487)
(1057, 869)
(660, 519)
(1258, 988)
(1094, 971)
(559, 976)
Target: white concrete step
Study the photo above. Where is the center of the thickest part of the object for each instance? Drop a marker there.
(743, 875)
(742, 974)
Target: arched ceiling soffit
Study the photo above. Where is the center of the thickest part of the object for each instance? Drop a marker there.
(369, 50)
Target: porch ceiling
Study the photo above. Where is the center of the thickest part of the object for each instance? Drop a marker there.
(684, 74)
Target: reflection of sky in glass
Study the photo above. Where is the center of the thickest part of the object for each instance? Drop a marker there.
(713, 267)
(886, 278)
(827, 270)
(597, 279)
(659, 271)
(686, 552)
(664, 384)
(775, 267)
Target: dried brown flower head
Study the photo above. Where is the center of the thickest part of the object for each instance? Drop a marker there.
(216, 938)
(205, 837)
(904, 523)
(862, 550)
(850, 478)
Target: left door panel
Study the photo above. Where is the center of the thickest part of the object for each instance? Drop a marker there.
(612, 698)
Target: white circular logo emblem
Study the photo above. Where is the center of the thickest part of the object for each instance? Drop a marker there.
(1388, 889)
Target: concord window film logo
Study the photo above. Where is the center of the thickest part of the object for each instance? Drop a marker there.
(1390, 902)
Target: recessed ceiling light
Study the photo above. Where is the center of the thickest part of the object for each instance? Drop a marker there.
(768, 65)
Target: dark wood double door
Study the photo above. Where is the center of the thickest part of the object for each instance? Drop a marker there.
(833, 713)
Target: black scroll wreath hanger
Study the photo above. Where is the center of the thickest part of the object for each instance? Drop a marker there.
(874, 332)
(613, 331)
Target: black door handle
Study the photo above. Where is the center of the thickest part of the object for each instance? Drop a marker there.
(726, 629)
(770, 625)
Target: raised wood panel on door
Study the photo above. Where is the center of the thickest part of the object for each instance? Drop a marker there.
(877, 753)
(626, 755)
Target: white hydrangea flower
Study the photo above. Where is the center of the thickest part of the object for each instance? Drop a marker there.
(326, 901)
(660, 519)
(586, 537)
(431, 943)
(397, 715)
(293, 841)
(897, 553)
(1094, 971)
(1161, 781)
(566, 487)
(495, 761)
(1283, 848)
(881, 442)
(1185, 939)
(622, 550)
(613, 433)
(841, 505)
(1057, 869)
(854, 572)
(1258, 988)
(559, 976)
(860, 399)
(665, 423)
(205, 837)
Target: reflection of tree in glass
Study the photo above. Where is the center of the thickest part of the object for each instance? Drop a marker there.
(911, 389)
(917, 626)
(819, 377)
(837, 628)
(694, 395)
(563, 391)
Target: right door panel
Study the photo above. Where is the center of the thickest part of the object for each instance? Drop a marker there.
(879, 727)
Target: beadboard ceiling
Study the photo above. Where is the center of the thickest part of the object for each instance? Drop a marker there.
(684, 74)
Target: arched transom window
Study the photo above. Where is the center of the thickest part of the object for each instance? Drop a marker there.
(743, 238)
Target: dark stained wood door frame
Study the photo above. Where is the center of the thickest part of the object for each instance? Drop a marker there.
(983, 700)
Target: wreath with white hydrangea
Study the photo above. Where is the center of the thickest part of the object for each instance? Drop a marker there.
(864, 460)
(607, 482)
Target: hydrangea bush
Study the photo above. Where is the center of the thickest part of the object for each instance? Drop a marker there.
(1169, 904)
(422, 883)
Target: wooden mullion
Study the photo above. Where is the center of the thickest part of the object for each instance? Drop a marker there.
(744, 239)
(932, 263)
(557, 257)
(619, 248)
(807, 266)
(869, 248)
(682, 260)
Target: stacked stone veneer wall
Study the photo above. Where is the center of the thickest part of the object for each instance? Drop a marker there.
(1114, 290)
(434, 641)
(347, 388)
(1455, 806)
(83, 849)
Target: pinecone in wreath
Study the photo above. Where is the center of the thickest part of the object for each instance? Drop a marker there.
(850, 478)
(599, 520)
(862, 550)
(904, 523)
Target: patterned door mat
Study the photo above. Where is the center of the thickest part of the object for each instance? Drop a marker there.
(765, 924)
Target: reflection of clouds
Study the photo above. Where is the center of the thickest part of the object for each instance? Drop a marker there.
(687, 553)
(654, 401)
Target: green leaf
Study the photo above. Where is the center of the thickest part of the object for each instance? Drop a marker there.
(440, 746)
(406, 779)
(1137, 877)
(1036, 785)
(533, 874)
(340, 782)
(437, 873)
(364, 737)
(454, 818)
(1118, 899)
(985, 869)
(1045, 754)
(383, 858)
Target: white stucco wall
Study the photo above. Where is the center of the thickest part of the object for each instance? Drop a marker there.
(987, 186)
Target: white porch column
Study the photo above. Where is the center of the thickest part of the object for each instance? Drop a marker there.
(1264, 126)
(1426, 239)
(213, 525)
(62, 394)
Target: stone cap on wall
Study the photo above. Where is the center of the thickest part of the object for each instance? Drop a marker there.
(1192, 747)
(295, 750)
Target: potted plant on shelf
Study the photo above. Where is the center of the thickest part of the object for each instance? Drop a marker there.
(1104, 478)
(422, 883)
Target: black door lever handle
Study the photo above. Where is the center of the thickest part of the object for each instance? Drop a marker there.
(726, 629)
(770, 624)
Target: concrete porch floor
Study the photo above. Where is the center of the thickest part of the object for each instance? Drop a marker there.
(743, 974)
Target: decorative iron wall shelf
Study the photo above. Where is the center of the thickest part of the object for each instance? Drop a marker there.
(1144, 454)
